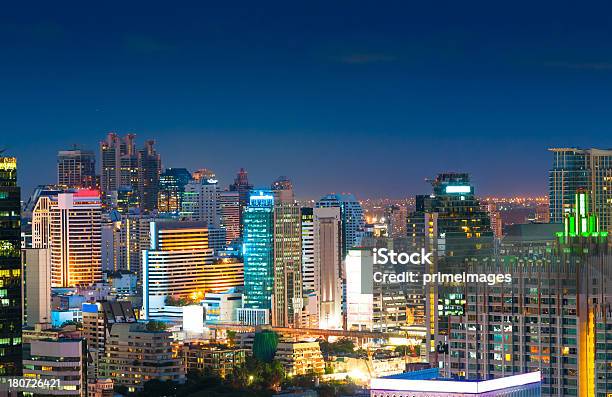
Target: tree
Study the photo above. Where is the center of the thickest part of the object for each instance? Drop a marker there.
(154, 325)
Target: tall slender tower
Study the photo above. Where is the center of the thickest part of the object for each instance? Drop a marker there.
(10, 268)
(149, 169)
(288, 300)
(242, 186)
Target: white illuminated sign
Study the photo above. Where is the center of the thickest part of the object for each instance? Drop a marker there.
(457, 189)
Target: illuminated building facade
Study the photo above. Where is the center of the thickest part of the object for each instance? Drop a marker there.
(73, 221)
(172, 184)
(215, 359)
(258, 251)
(124, 237)
(201, 202)
(119, 163)
(574, 169)
(243, 187)
(175, 264)
(52, 354)
(76, 169)
(327, 266)
(135, 355)
(554, 317)
(351, 213)
(10, 268)
(229, 206)
(287, 300)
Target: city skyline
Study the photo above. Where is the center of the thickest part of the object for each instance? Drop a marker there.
(384, 90)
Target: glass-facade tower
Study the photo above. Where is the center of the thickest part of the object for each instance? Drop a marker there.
(259, 250)
(581, 169)
(10, 268)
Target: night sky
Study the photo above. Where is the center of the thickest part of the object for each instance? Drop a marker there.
(369, 98)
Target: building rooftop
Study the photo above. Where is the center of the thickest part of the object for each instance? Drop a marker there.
(428, 381)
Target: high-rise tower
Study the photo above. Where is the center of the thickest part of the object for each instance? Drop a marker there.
(351, 214)
(10, 268)
(73, 221)
(76, 168)
(575, 169)
(149, 169)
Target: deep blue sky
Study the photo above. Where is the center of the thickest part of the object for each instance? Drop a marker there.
(339, 96)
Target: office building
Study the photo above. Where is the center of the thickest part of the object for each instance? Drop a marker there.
(172, 184)
(119, 163)
(308, 265)
(136, 354)
(243, 187)
(175, 264)
(427, 382)
(54, 354)
(201, 202)
(327, 266)
(76, 169)
(395, 220)
(223, 274)
(351, 213)
(450, 224)
(553, 317)
(149, 169)
(36, 292)
(229, 206)
(10, 268)
(98, 318)
(73, 222)
(288, 300)
(259, 251)
(124, 237)
(214, 359)
(100, 388)
(574, 169)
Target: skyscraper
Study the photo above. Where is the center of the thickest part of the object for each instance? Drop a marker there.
(242, 186)
(229, 205)
(288, 300)
(451, 224)
(10, 268)
(149, 169)
(119, 163)
(258, 249)
(555, 314)
(201, 202)
(172, 184)
(327, 266)
(76, 168)
(74, 236)
(351, 213)
(574, 169)
(308, 261)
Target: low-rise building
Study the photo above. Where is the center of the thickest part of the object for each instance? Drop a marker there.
(215, 359)
(56, 354)
(136, 354)
(300, 358)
